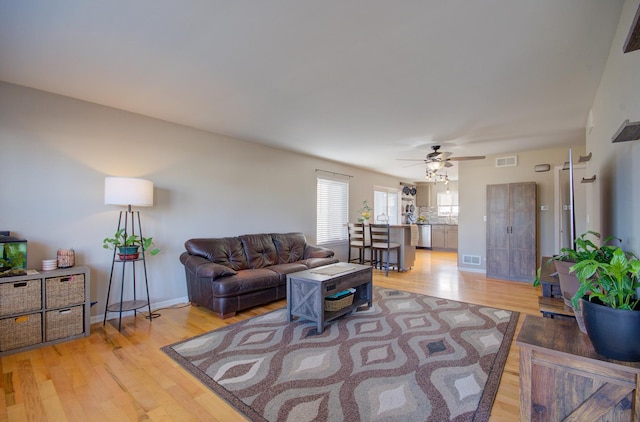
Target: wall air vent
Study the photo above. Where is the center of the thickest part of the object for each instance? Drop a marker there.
(511, 161)
(471, 259)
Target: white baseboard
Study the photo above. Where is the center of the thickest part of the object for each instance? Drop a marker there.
(154, 307)
(472, 270)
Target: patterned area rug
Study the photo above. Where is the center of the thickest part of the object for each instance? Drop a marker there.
(409, 358)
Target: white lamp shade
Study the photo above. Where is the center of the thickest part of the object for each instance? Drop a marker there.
(128, 191)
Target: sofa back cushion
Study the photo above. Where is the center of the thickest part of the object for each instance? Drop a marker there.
(259, 249)
(227, 251)
(290, 246)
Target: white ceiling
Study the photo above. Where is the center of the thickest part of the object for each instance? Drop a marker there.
(357, 81)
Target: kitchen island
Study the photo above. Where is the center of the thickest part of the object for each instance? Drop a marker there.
(402, 234)
(407, 237)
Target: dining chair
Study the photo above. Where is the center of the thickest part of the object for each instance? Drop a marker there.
(381, 243)
(358, 241)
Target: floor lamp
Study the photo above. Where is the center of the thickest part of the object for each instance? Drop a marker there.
(125, 191)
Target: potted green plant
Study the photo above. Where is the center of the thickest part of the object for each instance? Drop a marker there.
(128, 245)
(365, 212)
(608, 294)
(584, 250)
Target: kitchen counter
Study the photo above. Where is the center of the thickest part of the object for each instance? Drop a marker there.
(401, 233)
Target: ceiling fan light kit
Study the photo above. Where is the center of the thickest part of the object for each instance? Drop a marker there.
(433, 176)
(435, 165)
(438, 160)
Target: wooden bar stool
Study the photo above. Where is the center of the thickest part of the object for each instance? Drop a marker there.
(381, 243)
(358, 241)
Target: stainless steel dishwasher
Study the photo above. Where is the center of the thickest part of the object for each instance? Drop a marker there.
(424, 240)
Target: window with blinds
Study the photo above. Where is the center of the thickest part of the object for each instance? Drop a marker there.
(448, 204)
(332, 209)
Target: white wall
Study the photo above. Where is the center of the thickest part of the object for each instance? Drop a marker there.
(56, 151)
(476, 175)
(614, 199)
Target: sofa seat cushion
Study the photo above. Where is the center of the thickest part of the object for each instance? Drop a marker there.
(319, 262)
(227, 251)
(244, 282)
(284, 269)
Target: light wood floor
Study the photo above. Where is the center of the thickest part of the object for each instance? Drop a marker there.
(124, 376)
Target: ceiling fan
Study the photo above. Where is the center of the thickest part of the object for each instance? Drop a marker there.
(439, 159)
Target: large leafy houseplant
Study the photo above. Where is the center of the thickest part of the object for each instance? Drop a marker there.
(608, 297)
(613, 283)
(121, 239)
(584, 250)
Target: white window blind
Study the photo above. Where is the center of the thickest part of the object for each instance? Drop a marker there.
(448, 204)
(332, 210)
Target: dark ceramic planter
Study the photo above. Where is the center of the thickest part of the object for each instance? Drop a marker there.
(614, 333)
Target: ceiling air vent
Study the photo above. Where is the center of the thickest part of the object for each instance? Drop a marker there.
(507, 161)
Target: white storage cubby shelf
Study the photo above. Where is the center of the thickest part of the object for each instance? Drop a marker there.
(44, 308)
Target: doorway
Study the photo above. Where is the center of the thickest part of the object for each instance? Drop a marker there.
(563, 205)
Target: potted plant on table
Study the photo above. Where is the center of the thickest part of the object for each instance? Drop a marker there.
(608, 294)
(365, 212)
(128, 245)
(584, 250)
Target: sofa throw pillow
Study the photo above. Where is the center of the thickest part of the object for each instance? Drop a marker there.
(227, 251)
(290, 246)
(259, 249)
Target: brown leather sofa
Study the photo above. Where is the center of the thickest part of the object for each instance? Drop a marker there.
(230, 274)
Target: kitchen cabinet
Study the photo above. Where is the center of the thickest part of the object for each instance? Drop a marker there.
(451, 237)
(423, 194)
(444, 236)
(511, 231)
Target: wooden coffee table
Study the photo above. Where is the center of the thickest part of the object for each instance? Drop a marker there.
(306, 291)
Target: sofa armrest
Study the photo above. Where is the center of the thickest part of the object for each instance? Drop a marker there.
(311, 251)
(202, 267)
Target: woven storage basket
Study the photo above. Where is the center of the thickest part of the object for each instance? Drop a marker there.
(63, 323)
(336, 305)
(64, 291)
(20, 296)
(20, 331)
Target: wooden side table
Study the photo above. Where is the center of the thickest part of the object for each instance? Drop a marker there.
(562, 378)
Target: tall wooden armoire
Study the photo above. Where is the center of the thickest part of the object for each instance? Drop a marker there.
(512, 231)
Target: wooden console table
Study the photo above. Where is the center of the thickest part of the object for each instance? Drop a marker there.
(562, 378)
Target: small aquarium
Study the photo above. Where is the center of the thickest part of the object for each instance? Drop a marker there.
(13, 256)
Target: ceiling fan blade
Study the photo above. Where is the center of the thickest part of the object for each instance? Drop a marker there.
(448, 164)
(443, 155)
(471, 157)
(413, 165)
